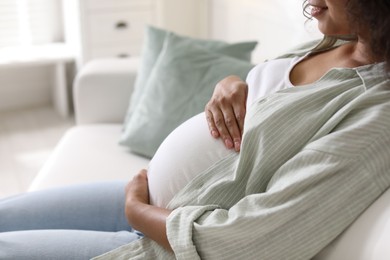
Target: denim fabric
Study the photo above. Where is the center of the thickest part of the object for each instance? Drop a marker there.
(77, 222)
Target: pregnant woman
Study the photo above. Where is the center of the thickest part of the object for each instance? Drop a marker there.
(308, 151)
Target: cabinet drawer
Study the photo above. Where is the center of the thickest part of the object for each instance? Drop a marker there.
(117, 27)
(108, 5)
(122, 51)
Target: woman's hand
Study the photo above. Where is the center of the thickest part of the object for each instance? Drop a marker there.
(137, 189)
(226, 111)
(148, 219)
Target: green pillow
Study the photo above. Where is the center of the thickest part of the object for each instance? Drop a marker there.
(179, 86)
(154, 41)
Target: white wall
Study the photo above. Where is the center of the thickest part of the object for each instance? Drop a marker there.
(276, 24)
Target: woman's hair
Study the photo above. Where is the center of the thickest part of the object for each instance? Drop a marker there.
(371, 19)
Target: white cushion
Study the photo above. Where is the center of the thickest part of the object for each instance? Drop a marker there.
(86, 154)
(102, 90)
(367, 238)
(186, 152)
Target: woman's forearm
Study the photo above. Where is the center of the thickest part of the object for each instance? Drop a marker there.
(150, 220)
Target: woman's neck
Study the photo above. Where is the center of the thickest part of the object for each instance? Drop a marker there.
(358, 52)
(313, 67)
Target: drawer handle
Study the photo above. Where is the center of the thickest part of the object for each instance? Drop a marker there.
(121, 25)
(123, 55)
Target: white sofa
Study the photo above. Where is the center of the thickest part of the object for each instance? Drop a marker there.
(90, 152)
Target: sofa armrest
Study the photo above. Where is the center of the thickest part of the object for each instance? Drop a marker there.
(102, 90)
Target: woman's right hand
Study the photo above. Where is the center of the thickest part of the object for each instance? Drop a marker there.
(226, 111)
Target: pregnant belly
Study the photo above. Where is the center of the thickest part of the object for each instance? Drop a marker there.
(186, 152)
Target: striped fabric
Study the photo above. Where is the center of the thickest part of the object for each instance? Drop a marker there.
(313, 159)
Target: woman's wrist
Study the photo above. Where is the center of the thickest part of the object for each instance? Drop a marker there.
(134, 211)
(150, 220)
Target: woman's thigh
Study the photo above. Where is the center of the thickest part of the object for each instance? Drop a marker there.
(60, 244)
(97, 206)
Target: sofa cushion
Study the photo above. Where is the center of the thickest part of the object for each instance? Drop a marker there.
(153, 45)
(367, 238)
(181, 83)
(86, 154)
(102, 88)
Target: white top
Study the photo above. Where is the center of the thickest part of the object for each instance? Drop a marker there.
(271, 76)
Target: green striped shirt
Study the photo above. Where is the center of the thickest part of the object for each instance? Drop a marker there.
(313, 158)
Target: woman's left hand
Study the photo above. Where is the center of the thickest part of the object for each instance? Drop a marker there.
(148, 219)
(137, 189)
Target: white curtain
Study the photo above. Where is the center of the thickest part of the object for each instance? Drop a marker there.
(30, 22)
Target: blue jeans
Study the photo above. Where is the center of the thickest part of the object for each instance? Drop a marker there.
(77, 222)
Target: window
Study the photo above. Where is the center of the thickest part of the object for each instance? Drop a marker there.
(30, 22)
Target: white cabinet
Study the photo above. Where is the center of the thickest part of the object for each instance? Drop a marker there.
(107, 28)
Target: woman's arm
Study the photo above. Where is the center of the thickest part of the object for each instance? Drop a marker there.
(148, 219)
(226, 111)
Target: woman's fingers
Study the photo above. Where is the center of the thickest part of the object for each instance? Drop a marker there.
(223, 124)
(137, 188)
(240, 113)
(226, 110)
(233, 129)
(211, 124)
